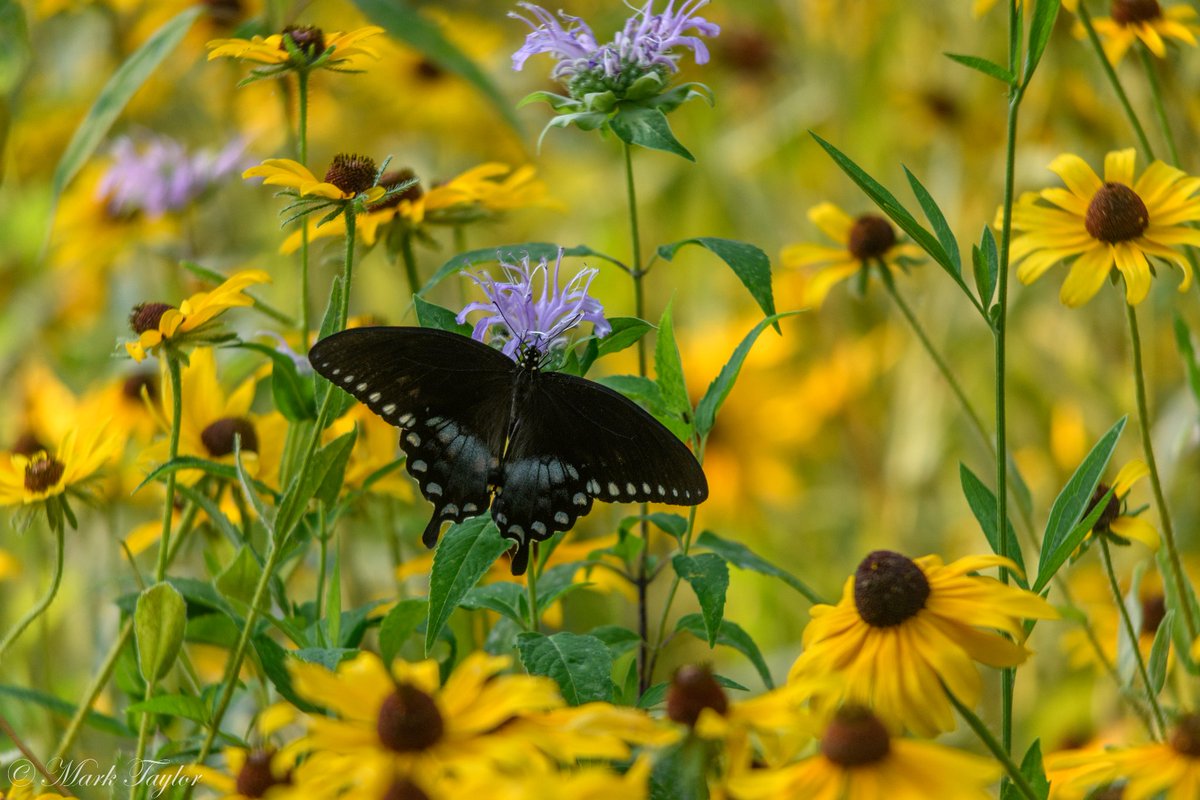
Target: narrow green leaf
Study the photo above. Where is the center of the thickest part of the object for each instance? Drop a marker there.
(741, 556)
(223, 471)
(1033, 771)
(329, 459)
(113, 98)
(407, 24)
(732, 635)
(159, 622)
(272, 658)
(1041, 26)
(722, 385)
(399, 624)
(1183, 339)
(1071, 503)
(668, 368)
(536, 251)
(65, 710)
(333, 609)
(505, 598)
(580, 665)
(1174, 602)
(248, 489)
(647, 127)
(465, 553)
(292, 394)
(709, 579)
(238, 580)
(985, 258)
(937, 219)
(1160, 652)
(989, 68)
(982, 501)
(749, 263)
(175, 705)
(626, 332)
(430, 315)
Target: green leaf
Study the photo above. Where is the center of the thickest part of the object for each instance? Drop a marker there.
(890, 206)
(329, 461)
(465, 553)
(982, 501)
(1070, 505)
(1160, 652)
(638, 389)
(749, 263)
(1033, 771)
(159, 621)
(113, 98)
(505, 598)
(101, 722)
(741, 556)
(430, 315)
(1175, 602)
(1041, 26)
(937, 219)
(327, 657)
(989, 68)
(247, 484)
(580, 665)
(709, 579)
(647, 127)
(626, 332)
(225, 472)
(292, 394)
(617, 638)
(668, 368)
(510, 253)
(657, 693)
(272, 658)
(722, 385)
(399, 624)
(1183, 339)
(732, 635)
(239, 579)
(985, 258)
(408, 25)
(174, 705)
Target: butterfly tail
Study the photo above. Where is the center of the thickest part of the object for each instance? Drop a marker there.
(432, 530)
(520, 558)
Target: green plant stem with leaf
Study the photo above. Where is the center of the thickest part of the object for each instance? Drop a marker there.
(1000, 752)
(1160, 500)
(1127, 624)
(164, 542)
(302, 152)
(1085, 19)
(40, 607)
(1156, 98)
(410, 262)
(531, 589)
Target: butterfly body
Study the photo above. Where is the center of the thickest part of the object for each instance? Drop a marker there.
(483, 431)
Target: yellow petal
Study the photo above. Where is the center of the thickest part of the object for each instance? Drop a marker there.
(1119, 165)
(1137, 529)
(1087, 275)
(1077, 175)
(834, 222)
(1130, 474)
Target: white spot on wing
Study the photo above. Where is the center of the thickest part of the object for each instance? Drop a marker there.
(406, 420)
(561, 518)
(337, 371)
(539, 528)
(630, 488)
(389, 408)
(413, 439)
(518, 531)
(580, 499)
(362, 387)
(572, 472)
(470, 508)
(419, 466)
(450, 510)
(662, 491)
(375, 397)
(613, 489)
(646, 488)
(434, 489)
(348, 379)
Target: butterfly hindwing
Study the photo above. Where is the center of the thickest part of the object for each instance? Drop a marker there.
(449, 395)
(539, 495)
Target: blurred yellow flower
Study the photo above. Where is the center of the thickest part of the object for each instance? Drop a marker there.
(27, 479)
(922, 620)
(984, 6)
(337, 51)
(860, 760)
(1146, 20)
(1091, 595)
(864, 240)
(1102, 224)
(1170, 769)
(347, 177)
(1115, 519)
(156, 323)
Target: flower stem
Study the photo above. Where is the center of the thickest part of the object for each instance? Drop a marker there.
(1127, 623)
(1000, 752)
(531, 588)
(48, 598)
(139, 757)
(51, 778)
(1085, 19)
(347, 270)
(302, 152)
(410, 262)
(1160, 110)
(1160, 501)
(164, 542)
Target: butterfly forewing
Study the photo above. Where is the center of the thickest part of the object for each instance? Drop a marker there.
(450, 396)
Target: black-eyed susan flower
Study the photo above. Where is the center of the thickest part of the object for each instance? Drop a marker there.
(1169, 770)
(1115, 520)
(862, 242)
(300, 48)
(27, 480)
(1101, 224)
(1148, 21)
(860, 759)
(351, 184)
(905, 627)
(193, 321)
(252, 774)
(1092, 595)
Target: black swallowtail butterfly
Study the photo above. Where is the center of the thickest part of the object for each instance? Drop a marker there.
(480, 430)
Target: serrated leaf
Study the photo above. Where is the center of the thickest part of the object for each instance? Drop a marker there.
(709, 578)
(617, 638)
(430, 315)
(732, 635)
(399, 624)
(580, 665)
(989, 68)
(1070, 505)
(722, 385)
(741, 556)
(668, 368)
(159, 622)
(982, 501)
(505, 598)
(647, 127)
(749, 263)
(465, 553)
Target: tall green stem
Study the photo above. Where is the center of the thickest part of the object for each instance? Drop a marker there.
(1160, 110)
(164, 542)
(302, 152)
(40, 607)
(531, 589)
(1164, 515)
(347, 269)
(1085, 19)
(410, 262)
(1127, 623)
(1000, 752)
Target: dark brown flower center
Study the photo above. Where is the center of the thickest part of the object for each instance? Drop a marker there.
(692, 690)
(889, 588)
(42, 473)
(134, 384)
(308, 39)
(255, 777)
(225, 13)
(218, 437)
(1154, 609)
(870, 237)
(404, 789)
(27, 444)
(1131, 12)
(1185, 739)
(1112, 792)
(393, 178)
(428, 71)
(855, 738)
(748, 50)
(1111, 511)
(145, 316)
(409, 720)
(1116, 214)
(351, 173)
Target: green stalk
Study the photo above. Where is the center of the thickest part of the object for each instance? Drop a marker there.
(1160, 110)
(1085, 19)
(347, 269)
(410, 262)
(1127, 623)
(1164, 515)
(139, 756)
(302, 151)
(164, 542)
(531, 588)
(1000, 752)
(48, 598)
